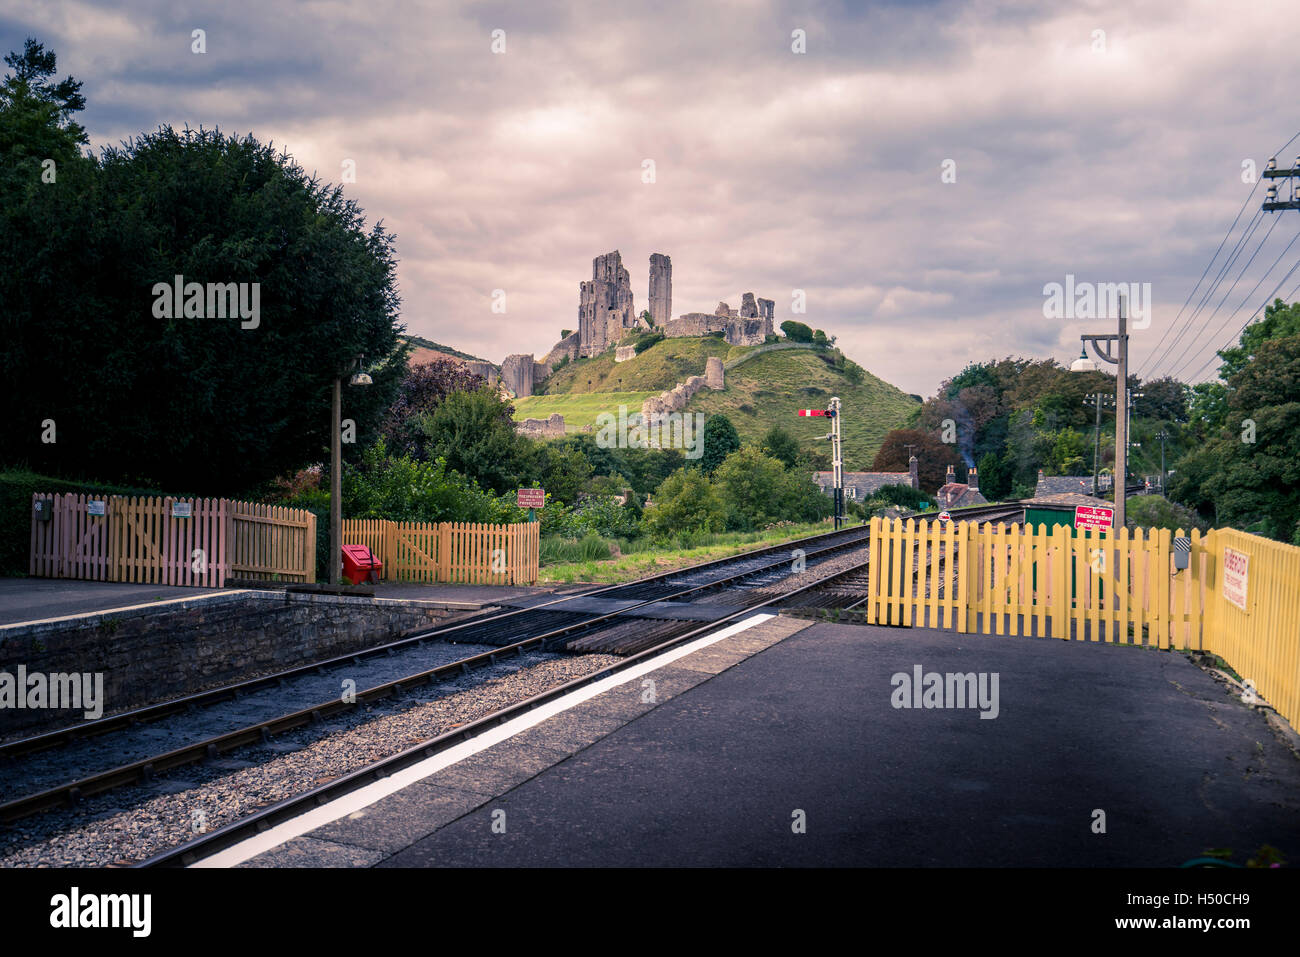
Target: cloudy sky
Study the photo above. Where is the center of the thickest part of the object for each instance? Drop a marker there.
(1114, 156)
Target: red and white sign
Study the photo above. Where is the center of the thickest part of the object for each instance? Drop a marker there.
(1236, 576)
(531, 498)
(944, 516)
(1094, 516)
(812, 411)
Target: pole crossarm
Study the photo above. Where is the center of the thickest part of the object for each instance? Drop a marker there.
(1103, 354)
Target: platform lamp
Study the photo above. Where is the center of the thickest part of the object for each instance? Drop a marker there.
(358, 377)
(1101, 345)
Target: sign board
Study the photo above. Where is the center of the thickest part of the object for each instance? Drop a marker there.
(812, 411)
(96, 508)
(944, 516)
(532, 498)
(182, 510)
(1236, 576)
(1094, 516)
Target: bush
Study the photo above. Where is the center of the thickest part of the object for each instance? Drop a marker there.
(590, 548)
(646, 340)
(1156, 511)
(404, 490)
(797, 331)
(684, 503)
(16, 490)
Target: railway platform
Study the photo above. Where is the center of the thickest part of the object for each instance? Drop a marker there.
(790, 743)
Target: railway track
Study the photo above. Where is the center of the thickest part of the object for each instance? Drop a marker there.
(263, 819)
(621, 619)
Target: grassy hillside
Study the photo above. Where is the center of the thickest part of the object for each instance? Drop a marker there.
(768, 390)
(660, 367)
(421, 343)
(580, 409)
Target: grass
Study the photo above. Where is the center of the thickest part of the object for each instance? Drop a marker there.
(660, 367)
(770, 389)
(651, 560)
(579, 410)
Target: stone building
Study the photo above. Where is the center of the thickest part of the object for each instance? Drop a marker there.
(661, 289)
(954, 494)
(605, 306)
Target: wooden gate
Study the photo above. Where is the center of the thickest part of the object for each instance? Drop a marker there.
(169, 541)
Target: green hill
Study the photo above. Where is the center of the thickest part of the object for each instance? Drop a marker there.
(660, 367)
(760, 392)
(769, 389)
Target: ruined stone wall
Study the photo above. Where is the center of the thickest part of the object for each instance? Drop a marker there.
(551, 428)
(487, 370)
(517, 374)
(568, 346)
(661, 289)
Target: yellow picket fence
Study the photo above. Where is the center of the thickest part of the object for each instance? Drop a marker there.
(450, 551)
(1098, 586)
(169, 541)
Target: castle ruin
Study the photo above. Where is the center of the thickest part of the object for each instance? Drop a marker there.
(607, 313)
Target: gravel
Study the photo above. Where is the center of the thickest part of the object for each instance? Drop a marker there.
(101, 832)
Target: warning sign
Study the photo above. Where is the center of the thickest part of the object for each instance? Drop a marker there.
(531, 498)
(1236, 576)
(1094, 516)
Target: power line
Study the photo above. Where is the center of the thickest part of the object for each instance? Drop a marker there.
(1266, 302)
(1210, 317)
(1204, 272)
(1211, 289)
(1149, 363)
(1241, 306)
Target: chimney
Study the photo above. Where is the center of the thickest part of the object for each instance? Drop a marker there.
(913, 471)
(1041, 476)
(951, 477)
(973, 478)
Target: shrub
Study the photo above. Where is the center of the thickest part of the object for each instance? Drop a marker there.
(685, 502)
(1156, 511)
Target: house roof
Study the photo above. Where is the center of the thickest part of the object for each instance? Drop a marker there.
(866, 483)
(1059, 484)
(956, 494)
(1069, 499)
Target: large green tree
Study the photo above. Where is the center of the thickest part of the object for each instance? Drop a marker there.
(106, 384)
(720, 440)
(475, 433)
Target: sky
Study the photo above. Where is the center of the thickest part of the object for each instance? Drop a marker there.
(918, 171)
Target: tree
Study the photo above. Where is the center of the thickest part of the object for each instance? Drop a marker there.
(1165, 399)
(562, 470)
(933, 456)
(720, 440)
(819, 339)
(200, 400)
(796, 331)
(685, 502)
(649, 319)
(781, 444)
(36, 118)
(752, 485)
(475, 433)
(421, 391)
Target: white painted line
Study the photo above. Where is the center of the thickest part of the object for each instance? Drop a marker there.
(365, 796)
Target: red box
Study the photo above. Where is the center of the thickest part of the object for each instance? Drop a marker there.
(360, 565)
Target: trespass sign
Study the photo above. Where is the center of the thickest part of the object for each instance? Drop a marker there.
(1236, 576)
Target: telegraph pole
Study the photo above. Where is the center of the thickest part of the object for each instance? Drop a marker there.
(1098, 399)
(1118, 356)
(1162, 435)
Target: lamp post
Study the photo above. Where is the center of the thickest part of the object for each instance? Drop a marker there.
(336, 470)
(1102, 347)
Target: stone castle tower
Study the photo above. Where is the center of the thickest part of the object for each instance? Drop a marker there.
(605, 306)
(661, 289)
